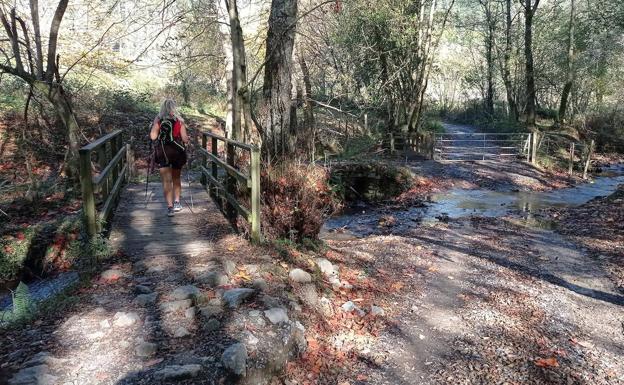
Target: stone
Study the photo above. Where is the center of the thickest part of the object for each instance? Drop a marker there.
(255, 316)
(142, 289)
(181, 332)
(211, 311)
(308, 295)
(213, 279)
(229, 267)
(33, 375)
(42, 358)
(234, 297)
(377, 311)
(269, 301)
(300, 276)
(276, 315)
(250, 339)
(112, 275)
(173, 306)
(259, 284)
(190, 312)
(123, 319)
(348, 306)
(326, 267)
(145, 349)
(145, 299)
(105, 324)
(234, 359)
(185, 292)
(212, 325)
(179, 372)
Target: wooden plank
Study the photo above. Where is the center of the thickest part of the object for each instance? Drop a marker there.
(111, 166)
(236, 143)
(108, 205)
(255, 196)
(88, 199)
(230, 170)
(100, 142)
(231, 199)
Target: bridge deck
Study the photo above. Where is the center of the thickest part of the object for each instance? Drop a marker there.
(141, 227)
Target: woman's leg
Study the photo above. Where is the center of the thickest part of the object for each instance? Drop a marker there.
(165, 176)
(177, 183)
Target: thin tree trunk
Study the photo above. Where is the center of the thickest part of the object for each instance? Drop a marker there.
(224, 30)
(308, 106)
(529, 12)
(511, 100)
(571, 74)
(489, 58)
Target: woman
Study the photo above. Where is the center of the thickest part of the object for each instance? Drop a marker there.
(170, 140)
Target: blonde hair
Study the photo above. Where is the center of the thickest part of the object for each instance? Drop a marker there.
(169, 108)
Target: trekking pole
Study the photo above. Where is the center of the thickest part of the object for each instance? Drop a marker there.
(149, 169)
(188, 178)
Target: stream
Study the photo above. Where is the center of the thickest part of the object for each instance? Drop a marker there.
(459, 203)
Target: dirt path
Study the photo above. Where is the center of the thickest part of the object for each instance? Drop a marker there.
(502, 303)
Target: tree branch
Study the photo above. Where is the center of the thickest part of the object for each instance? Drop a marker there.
(54, 29)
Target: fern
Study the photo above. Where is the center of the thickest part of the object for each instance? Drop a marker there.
(22, 302)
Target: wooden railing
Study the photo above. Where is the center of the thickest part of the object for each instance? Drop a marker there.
(419, 142)
(100, 191)
(226, 191)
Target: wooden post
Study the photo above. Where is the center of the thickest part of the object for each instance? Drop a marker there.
(204, 160)
(528, 148)
(392, 144)
(588, 159)
(255, 195)
(534, 143)
(88, 200)
(366, 124)
(571, 160)
(230, 181)
(432, 145)
(215, 167)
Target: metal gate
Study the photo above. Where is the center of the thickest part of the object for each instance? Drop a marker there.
(482, 146)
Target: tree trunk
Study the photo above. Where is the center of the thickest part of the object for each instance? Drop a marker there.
(57, 97)
(277, 140)
(570, 75)
(309, 129)
(511, 100)
(529, 12)
(229, 61)
(489, 58)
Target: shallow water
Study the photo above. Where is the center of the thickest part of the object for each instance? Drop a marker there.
(459, 203)
(43, 289)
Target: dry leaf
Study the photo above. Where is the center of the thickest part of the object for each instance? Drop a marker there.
(547, 362)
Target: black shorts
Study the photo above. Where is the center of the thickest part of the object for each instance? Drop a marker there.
(169, 155)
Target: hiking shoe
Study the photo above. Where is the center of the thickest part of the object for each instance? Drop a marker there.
(177, 206)
(170, 211)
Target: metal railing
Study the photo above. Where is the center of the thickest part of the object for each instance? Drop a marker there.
(100, 190)
(226, 190)
(482, 146)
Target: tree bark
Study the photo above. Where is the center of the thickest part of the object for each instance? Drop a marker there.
(489, 56)
(529, 12)
(277, 139)
(229, 60)
(570, 70)
(509, 90)
(309, 125)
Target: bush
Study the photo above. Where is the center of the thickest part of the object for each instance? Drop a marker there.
(296, 201)
(608, 130)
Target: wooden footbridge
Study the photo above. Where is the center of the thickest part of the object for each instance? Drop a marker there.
(136, 215)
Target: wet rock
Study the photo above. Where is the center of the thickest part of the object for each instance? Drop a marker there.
(234, 297)
(179, 372)
(181, 332)
(123, 319)
(145, 299)
(276, 315)
(142, 289)
(211, 311)
(146, 349)
(212, 325)
(377, 311)
(234, 359)
(173, 306)
(300, 276)
(112, 275)
(213, 279)
(34, 375)
(259, 284)
(185, 292)
(229, 267)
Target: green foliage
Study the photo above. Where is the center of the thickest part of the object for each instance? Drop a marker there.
(13, 252)
(357, 147)
(23, 305)
(433, 125)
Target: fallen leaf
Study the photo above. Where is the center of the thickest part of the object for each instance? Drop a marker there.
(547, 362)
(361, 377)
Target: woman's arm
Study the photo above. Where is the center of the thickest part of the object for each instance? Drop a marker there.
(183, 133)
(155, 129)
